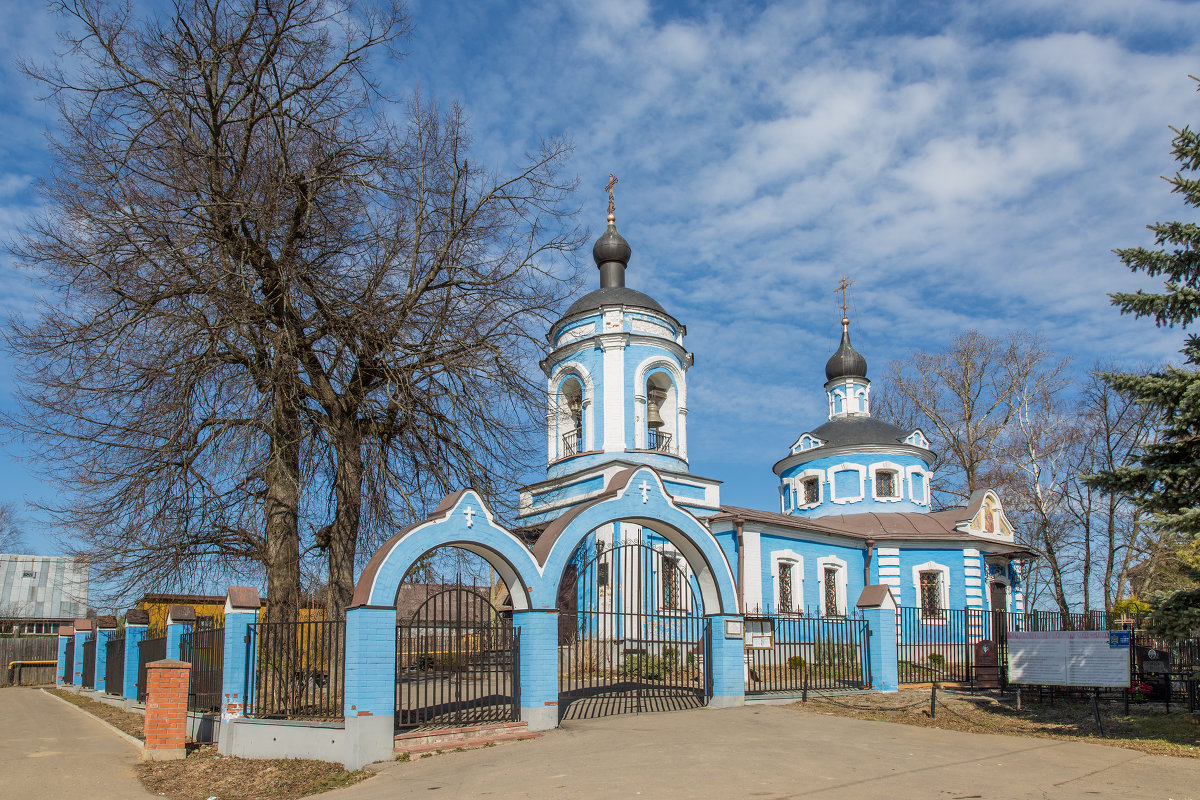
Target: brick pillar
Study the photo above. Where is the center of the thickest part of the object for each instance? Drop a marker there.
(880, 667)
(136, 622)
(180, 620)
(166, 709)
(83, 629)
(538, 678)
(727, 662)
(241, 609)
(370, 702)
(106, 628)
(66, 640)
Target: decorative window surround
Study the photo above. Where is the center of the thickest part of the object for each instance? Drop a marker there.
(944, 588)
(839, 584)
(847, 467)
(798, 488)
(921, 498)
(917, 439)
(797, 562)
(806, 442)
(897, 481)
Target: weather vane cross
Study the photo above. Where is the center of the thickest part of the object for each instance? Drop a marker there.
(612, 202)
(843, 286)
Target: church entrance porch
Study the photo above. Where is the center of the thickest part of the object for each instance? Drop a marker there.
(456, 661)
(632, 633)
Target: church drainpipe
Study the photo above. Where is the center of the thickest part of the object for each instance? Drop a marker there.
(867, 563)
(737, 525)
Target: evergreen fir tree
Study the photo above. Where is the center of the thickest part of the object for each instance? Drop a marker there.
(1165, 480)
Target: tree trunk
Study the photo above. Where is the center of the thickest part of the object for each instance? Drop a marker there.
(282, 506)
(343, 535)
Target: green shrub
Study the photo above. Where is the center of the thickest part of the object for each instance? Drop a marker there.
(795, 662)
(936, 659)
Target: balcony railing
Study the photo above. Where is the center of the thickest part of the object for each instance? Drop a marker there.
(572, 443)
(658, 440)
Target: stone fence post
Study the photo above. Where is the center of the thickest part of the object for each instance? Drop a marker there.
(879, 609)
(370, 701)
(166, 709)
(728, 655)
(241, 609)
(106, 628)
(136, 622)
(180, 620)
(65, 643)
(83, 627)
(538, 673)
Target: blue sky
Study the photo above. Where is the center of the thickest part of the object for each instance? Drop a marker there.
(969, 165)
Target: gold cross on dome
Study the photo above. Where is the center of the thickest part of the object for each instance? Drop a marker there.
(842, 287)
(612, 203)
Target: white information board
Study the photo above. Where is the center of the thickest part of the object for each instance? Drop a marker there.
(1069, 658)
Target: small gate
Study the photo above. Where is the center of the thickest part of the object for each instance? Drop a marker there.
(114, 666)
(794, 654)
(456, 662)
(631, 631)
(204, 648)
(69, 666)
(89, 662)
(149, 650)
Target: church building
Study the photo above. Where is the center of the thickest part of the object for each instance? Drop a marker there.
(854, 491)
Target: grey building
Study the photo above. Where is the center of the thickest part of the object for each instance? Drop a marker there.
(38, 593)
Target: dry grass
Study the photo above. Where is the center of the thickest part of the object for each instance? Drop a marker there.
(1147, 727)
(124, 721)
(204, 774)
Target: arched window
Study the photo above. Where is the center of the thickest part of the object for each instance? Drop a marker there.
(570, 411)
(660, 413)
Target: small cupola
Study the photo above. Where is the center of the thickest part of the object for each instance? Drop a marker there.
(846, 362)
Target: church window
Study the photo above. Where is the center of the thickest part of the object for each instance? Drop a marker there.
(602, 574)
(670, 582)
(829, 581)
(931, 593)
(885, 483)
(785, 587)
(812, 490)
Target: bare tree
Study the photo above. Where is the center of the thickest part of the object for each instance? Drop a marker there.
(276, 310)
(11, 540)
(965, 398)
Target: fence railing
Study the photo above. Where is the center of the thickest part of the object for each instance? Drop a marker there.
(148, 650)
(814, 653)
(114, 666)
(297, 670)
(204, 649)
(89, 662)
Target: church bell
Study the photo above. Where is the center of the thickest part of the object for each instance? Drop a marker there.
(654, 402)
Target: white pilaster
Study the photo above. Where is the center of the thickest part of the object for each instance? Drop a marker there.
(613, 346)
(752, 593)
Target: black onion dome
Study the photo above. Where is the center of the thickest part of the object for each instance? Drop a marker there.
(846, 362)
(613, 296)
(611, 246)
(859, 430)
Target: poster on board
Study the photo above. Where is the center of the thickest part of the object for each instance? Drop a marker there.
(1069, 658)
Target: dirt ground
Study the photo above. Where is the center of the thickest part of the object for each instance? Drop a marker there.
(1147, 727)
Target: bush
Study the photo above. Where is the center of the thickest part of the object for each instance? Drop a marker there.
(936, 659)
(831, 651)
(651, 668)
(795, 662)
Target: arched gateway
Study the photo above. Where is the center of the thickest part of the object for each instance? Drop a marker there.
(634, 497)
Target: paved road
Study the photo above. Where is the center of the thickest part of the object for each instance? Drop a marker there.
(772, 752)
(49, 750)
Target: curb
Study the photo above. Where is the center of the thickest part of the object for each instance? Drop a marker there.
(132, 740)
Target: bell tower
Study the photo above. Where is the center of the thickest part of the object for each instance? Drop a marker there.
(616, 377)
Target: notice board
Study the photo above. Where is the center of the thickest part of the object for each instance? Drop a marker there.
(1069, 658)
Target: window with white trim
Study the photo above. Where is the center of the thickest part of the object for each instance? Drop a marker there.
(831, 578)
(812, 490)
(787, 577)
(931, 593)
(885, 483)
(671, 598)
(786, 601)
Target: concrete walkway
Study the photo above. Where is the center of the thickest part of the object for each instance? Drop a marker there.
(774, 752)
(50, 750)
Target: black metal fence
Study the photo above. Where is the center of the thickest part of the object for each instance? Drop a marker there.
(204, 649)
(114, 666)
(149, 650)
(794, 654)
(89, 662)
(296, 670)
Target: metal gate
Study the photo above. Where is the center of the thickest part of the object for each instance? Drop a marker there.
(631, 630)
(89, 662)
(69, 665)
(149, 650)
(114, 666)
(456, 662)
(795, 654)
(204, 648)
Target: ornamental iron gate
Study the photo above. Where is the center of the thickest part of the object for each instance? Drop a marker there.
(632, 633)
(89, 662)
(114, 666)
(204, 648)
(795, 654)
(456, 662)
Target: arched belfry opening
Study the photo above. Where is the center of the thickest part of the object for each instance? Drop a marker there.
(662, 417)
(570, 418)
